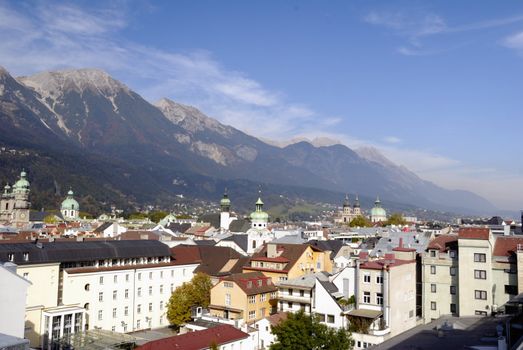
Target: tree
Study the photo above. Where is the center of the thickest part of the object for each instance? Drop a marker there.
(359, 221)
(303, 332)
(396, 219)
(194, 293)
(156, 216)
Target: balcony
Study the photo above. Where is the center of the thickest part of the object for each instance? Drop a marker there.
(294, 297)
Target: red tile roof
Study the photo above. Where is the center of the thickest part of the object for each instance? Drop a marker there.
(280, 259)
(383, 263)
(277, 318)
(442, 242)
(186, 254)
(197, 340)
(506, 246)
(250, 282)
(474, 233)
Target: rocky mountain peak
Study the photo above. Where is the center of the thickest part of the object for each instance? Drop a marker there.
(190, 118)
(56, 82)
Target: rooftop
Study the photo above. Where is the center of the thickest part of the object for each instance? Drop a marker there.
(474, 233)
(197, 340)
(252, 282)
(506, 246)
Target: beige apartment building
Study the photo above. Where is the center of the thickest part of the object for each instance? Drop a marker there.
(385, 297)
(471, 273)
(248, 296)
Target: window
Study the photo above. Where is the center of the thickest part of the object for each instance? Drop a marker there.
(87, 287)
(432, 253)
(366, 297)
(161, 288)
(432, 269)
(139, 276)
(161, 305)
(101, 296)
(227, 284)
(150, 307)
(302, 293)
(252, 314)
(139, 292)
(480, 294)
(172, 287)
(480, 257)
(252, 299)
(513, 290)
(113, 328)
(100, 315)
(11, 257)
(290, 291)
(452, 254)
(172, 273)
(101, 280)
(480, 274)
(480, 313)
(126, 311)
(321, 317)
(273, 295)
(366, 278)
(114, 313)
(228, 299)
(330, 318)
(433, 305)
(127, 278)
(453, 308)
(282, 278)
(150, 290)
(115, 294)
(26, 256)
(127, 294)
(433, 288)
(289, 305)
(139, 308)
(115, 279)
(26, 274)
(262, 312)
(161, 274)
(263, 297)
(379, 298)
(138, 324)
(453, 290)
(150, 275)
(452, 271)
(379, 279)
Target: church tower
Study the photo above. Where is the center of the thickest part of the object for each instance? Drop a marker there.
(225, 211)
(259, 218)
(21, 201)
(356, 210)
(346, 214)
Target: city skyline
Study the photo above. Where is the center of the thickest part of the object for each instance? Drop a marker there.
(428, 84)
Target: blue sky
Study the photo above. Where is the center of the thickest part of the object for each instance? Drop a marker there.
(436, 86)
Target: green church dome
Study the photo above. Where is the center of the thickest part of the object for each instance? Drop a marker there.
(22, 183)
(259, 214)
(70, 203)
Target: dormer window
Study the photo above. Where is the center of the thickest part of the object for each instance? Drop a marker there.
(432, 253)
(26, 256)
(11, 257)
(249, 284)
(260, 283)
(452, 254)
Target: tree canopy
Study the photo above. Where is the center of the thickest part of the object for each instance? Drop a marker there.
(197, 292)
(360, 221)
(303, 332)
(396, 219)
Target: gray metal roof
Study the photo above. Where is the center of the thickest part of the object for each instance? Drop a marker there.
(241, 240)
(416, 240)
(73, 251)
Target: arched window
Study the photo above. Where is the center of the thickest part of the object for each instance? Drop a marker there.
(87, 286)
(6, 206)
(86, 306)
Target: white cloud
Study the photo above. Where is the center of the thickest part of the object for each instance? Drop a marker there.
(415, 27)
(515, 41)
(392, 139)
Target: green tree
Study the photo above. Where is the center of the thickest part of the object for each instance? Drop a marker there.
(304, 332)
(359, 221)
(156, 216)
(194, 293)
(396, 219)
(50, 219)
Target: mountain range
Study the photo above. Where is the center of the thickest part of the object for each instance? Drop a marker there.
(84, 129)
